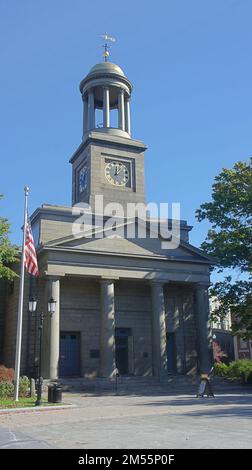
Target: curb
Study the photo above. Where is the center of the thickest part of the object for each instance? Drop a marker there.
(35, 409)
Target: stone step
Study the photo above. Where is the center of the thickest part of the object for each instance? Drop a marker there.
(122, 383)
(180, 384)
(127, 383)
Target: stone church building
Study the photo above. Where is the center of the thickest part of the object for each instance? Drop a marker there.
(122, 303)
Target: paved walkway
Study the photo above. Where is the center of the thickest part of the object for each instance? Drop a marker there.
(143, 421)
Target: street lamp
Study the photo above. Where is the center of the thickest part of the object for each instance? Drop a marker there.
(51, 310)
(51, 306)
(32, 305)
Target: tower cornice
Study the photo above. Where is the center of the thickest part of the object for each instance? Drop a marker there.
(111, 78)
(100, 138)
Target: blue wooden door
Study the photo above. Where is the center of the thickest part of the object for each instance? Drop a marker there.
(69, 355)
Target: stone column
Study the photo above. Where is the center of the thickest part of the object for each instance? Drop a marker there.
(159, 353)
(121, 116)
(85, 116)
(91, 110)
(106, 120)
(54, 330)
(107, 329)
(202, 321)
(127, 116)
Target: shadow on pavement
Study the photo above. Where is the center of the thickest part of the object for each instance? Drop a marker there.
(219, 406)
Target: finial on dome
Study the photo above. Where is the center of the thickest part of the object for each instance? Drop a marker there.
(106, 46)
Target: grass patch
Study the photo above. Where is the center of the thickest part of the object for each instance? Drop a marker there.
(23, 402)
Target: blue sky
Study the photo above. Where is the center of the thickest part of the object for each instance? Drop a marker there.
(190, 64)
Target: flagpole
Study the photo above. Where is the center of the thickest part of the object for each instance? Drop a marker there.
(20, 302)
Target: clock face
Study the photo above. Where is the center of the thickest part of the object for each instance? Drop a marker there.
(83, 179)
(117, 173)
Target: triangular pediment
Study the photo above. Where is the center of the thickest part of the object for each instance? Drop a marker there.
(128, 239)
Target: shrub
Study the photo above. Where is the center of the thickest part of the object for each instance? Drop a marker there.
(24, 385)
(240, 370)
(6, 389)
(221, 369)
(6, 374)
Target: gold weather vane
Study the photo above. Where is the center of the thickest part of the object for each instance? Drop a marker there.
(106, 46)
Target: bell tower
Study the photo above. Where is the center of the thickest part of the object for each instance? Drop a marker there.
(106, 88)
(109, 161)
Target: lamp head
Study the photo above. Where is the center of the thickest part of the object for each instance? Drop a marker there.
(51, 306)
(33, 305)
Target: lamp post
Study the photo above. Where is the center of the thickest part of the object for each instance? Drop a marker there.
(51, 310)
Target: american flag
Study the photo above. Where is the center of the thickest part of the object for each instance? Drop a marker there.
(31, 263)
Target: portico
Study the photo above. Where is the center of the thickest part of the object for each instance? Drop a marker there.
(96, 302)
(150, 358)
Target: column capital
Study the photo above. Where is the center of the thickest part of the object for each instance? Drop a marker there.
(160, 282)
(108, 279)
(202, 285)
(52, 277)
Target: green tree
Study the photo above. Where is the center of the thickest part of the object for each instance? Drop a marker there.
(230, 241)
(8, 253)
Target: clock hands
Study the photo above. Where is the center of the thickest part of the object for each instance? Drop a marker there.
(118, 169)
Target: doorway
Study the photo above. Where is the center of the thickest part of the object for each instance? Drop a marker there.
(171, 353)
(123, 337)
(69, 364)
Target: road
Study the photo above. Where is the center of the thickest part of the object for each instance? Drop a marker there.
(143, 421)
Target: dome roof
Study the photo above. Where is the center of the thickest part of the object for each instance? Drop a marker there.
(106, 67)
